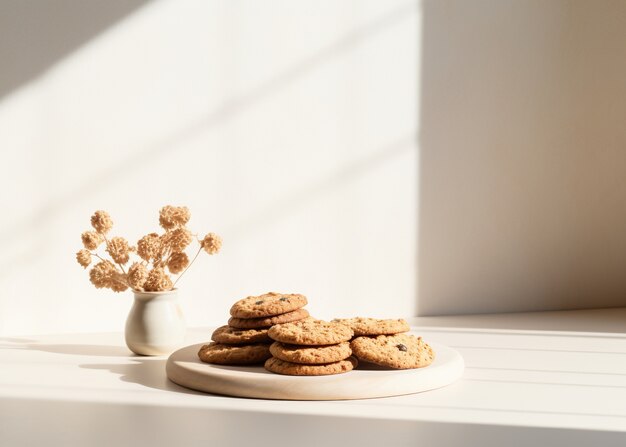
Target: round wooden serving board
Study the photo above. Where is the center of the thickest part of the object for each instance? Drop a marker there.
(368, 381)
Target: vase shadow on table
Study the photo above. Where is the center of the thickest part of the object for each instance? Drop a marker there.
(146, 371)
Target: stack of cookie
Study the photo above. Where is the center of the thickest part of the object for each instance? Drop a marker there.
(245, 340)
(310, 348)
(386, 343)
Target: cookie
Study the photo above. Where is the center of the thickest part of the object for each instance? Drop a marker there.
(233, 336)
(294, 369)
(234, 354)
(267, 305)
(310, 332)
(400, 351)
(374, 326)
(311, 355)
(266, 322)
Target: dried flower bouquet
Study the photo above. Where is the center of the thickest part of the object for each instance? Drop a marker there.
(158, 253)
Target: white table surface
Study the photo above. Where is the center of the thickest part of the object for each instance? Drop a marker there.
(550, 378)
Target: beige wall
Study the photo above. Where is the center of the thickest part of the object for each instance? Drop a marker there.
(289, 127)
(522, 156)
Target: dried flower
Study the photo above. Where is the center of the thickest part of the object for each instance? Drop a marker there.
(174, 216)
(101, 221)
(137, 275)
(162, 255)
(157, 281)
(149, 246)
(178, 262)
(118, 248)
(177, 240)
(83, 257)
(91, 240)
(118, 282)
(211, 243)
(101, 274)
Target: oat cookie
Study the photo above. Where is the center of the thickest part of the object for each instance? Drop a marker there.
(310, 332)
(266, 322)
(374, 326)
(294, 369)
(234, 354)
(267, 305)
(400, 351)
(233, 336)
(311, 355)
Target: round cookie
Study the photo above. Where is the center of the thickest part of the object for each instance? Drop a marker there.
(310, 332)
(374, 326)
(266, 322)
(267, 305)
(400, 351)
(311, 355)
(222, 354)
(294, 369)
(233, 336)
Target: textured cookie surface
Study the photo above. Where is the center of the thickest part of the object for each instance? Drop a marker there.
(294, 369)
(311, 355)
(400, 351)
(267, 305)
(374, 326)
(266, 322)
(310, 332)
(234, 354)
(233, 336)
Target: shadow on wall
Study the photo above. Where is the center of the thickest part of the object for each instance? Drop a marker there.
(35, 34)
(522, 156)
(163, 144)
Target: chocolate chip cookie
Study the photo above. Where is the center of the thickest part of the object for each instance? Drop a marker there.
(374, 326)
(267, 305)
(266, 322)
(311, 355)
(310, 332)
(400, 351)
(294, 369)
(234, 354)
(233, 336)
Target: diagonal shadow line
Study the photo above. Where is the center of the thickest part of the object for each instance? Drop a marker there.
(226, 111)
(34, 36)
(296, 199)
(338, 178)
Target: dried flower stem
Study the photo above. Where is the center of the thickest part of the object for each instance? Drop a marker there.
(106, 260)
(186, 268)
(119, 265)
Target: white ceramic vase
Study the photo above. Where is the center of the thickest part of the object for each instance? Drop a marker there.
(155, 324)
